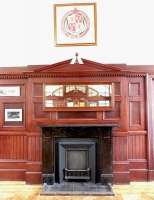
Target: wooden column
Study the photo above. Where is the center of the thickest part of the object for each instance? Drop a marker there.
(121, 172)
(34, 164)
(150, 122)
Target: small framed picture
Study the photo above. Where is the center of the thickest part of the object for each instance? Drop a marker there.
(13, 115)
(75, 24)
(9, 91)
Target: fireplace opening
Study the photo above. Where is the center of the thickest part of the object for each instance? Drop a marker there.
(77, 154)
(77, 159)
(77, 165)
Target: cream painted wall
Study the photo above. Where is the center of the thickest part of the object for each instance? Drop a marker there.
(125, 33)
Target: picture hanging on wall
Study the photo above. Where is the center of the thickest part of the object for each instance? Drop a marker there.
(9, 91)
(75, 24)
(13, 115)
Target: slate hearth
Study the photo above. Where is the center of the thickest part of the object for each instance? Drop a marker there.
(74, 188)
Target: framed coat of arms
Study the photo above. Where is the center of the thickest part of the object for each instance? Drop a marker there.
(75, 24)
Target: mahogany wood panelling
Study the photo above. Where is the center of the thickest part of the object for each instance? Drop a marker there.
(120, 148)
(138, 164)
(77, 115)
(34, 166)
(137, 147)
(138, 175)
(121, 177)
(38, 111)
(134, 89)
(120, 158)
(136, 92)
(29, 107)
(135, 113)
(34, 148)
(117, 88)
(121, 172)
(11, 169)
(13, 164)
(13, 175)
(114, 114)
(13, 147)
(33, 177)
(122, 99)
(38, 89)
(121, 166)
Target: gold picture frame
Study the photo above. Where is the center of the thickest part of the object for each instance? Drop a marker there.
(75, 24)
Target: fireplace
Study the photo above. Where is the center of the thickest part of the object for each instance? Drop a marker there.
(77, 165)
(77, 154)
(77, 159)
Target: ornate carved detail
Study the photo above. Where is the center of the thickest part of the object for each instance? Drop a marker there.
(69, 75)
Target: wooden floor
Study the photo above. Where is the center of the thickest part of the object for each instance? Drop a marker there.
(21, 191)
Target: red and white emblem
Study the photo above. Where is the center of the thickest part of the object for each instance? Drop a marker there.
(75, 23)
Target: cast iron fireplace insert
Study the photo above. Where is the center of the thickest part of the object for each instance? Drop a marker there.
(76, 159)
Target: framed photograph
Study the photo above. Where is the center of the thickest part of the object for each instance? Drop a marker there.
(75, 24)
(8, 91)
(13, 115)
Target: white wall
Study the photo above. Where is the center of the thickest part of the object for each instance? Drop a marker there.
(125, 33)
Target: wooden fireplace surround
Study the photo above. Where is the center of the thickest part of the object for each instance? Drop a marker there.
(132, 139)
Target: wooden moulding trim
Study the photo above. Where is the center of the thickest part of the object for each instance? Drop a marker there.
(126, 172)
(56, 109)
(28, 162)
(49, 123)
(12, 166)
(121, 162)
(129, 133)
(120, 133)
(19, 132)
(12, 161)
(20, 161)
(138, 160)
(72, 74)
(138, 170)
(25, 165)
(121, 174)
(12, 133)
(137, 132)
(8, 175)
(12, 170)
(27, 172)
(138, 164)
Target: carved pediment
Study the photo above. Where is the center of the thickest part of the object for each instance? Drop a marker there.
(87, 66)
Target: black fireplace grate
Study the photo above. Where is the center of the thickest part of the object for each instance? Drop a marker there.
(76, 174)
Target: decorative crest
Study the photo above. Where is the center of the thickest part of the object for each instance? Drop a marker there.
(76, 59)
